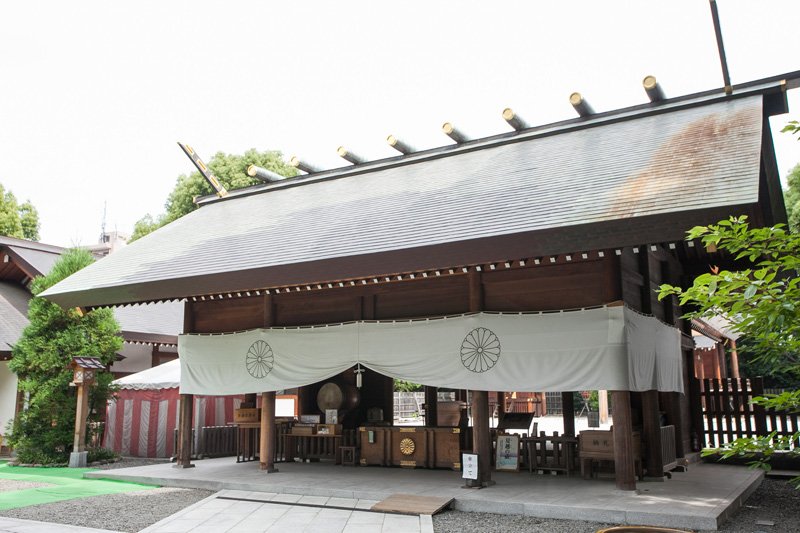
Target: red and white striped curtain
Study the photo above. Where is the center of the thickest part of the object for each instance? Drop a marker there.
(141, 423)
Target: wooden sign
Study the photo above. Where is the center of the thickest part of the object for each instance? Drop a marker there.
(507, 453)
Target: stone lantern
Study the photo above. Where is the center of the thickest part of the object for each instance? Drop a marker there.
(84, 372)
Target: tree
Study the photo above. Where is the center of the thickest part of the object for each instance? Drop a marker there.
(19, 221)
(791, 197)
(43, 431)
(231, 170)
(762, 301)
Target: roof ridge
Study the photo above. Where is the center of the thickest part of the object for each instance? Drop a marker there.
(762, 86)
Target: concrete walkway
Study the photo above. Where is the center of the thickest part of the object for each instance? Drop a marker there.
(16, 525)
(698, 499)
(265, 512)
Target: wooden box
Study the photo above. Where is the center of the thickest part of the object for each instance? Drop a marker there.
(329, 429)
(247, 415)
(599, 444)
(411, 447)
(304, 430)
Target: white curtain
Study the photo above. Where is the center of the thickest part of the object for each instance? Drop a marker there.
(560, 351)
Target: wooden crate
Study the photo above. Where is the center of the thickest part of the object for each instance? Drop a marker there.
(304, 430)
(247, 415)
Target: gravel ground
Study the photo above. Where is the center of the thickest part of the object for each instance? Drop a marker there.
(127, 511)
(8, 485)
(775, 501)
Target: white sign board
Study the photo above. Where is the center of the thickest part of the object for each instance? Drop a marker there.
(469, 463)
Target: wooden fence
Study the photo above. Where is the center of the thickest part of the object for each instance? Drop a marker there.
(727, 412)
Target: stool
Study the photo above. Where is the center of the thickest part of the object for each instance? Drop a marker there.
(348, 455)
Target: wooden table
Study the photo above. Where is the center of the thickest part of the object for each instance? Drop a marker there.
(306, 447)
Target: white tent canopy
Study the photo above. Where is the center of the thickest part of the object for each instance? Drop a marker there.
(611, 348)
(164, 376)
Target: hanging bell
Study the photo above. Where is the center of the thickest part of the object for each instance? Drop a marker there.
(358, 372)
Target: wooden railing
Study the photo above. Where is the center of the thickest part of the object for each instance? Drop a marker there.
(217, 441)
(725, 412)
(551, 453)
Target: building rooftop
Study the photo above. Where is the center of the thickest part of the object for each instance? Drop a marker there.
(636, 176)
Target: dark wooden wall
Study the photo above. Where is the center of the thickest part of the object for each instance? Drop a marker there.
(563, 285)
(642, 275)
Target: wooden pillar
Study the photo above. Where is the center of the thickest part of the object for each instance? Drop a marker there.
(267, 441)
(431, 407)
(719, 361)
(624, 468)
(651, 426)
(155, 356)
(501, 405)
(185, 409)
(185, 432)
(568, 412)
(481, 438)
(734, 360)
(699, 365)
(81, 412)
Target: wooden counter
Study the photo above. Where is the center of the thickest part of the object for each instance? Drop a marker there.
(411, 447)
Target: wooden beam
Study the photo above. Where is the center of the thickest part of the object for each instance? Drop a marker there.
(651, 426)
(624, 465)
(653, 89)
(267, 441)
(580, 104)
(184, 458)
(568, 413)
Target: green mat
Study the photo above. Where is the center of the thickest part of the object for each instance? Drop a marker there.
(66, 484)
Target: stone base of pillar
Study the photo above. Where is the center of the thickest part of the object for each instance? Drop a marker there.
(78, 459)
(475, 484)
(263, 467)
(179, 465)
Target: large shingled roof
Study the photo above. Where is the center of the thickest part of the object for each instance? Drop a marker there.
(468, 204)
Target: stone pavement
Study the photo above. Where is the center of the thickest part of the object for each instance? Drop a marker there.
(16, 525)
(698, 499)
(269, 512)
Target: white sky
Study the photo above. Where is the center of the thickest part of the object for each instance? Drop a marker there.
(94, 95)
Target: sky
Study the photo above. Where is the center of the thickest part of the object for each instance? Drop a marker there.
(94, 95)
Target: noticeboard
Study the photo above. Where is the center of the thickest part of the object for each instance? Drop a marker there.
(507, 453)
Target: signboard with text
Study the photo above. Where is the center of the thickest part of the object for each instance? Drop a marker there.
(469, 462)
